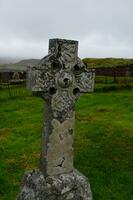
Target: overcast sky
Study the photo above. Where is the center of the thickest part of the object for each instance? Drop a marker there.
(104, 28)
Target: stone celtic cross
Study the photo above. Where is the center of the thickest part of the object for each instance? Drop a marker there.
(60, 78)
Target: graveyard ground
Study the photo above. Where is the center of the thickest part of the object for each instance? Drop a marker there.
(103, 141)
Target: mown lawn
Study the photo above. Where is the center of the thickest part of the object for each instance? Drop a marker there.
(103, 141)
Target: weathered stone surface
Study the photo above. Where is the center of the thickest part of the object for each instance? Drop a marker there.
(71, 186)
(60, 151)
(60, 78)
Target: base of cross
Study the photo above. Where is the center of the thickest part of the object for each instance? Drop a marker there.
(71, 186)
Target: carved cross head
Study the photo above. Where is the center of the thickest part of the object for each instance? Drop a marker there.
(61, 76)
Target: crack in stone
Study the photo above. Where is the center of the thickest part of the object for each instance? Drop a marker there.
(61, 136)
(61, 164)
(70, 131)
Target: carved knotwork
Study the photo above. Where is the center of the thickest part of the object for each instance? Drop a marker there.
(53, 73)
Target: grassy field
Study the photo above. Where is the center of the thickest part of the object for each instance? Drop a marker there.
(103, 141)
(106, 62)
(106, 83)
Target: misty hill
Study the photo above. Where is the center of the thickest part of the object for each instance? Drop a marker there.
(21, 65)
(27, 62)
(8, 60)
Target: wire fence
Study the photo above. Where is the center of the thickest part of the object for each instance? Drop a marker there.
(14, 91)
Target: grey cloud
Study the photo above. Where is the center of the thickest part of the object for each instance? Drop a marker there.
(103, 28)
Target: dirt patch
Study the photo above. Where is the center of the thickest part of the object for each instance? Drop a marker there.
(4, 133)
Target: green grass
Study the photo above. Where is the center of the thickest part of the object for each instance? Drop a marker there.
(107, 83)
(106, 62)
(103, 141)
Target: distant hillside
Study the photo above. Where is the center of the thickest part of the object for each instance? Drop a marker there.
(90, 62)
(7, 60)
(21, 65)
(28, 62)
(106, 62)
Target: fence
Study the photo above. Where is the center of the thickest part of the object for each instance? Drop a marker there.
(10, 78)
